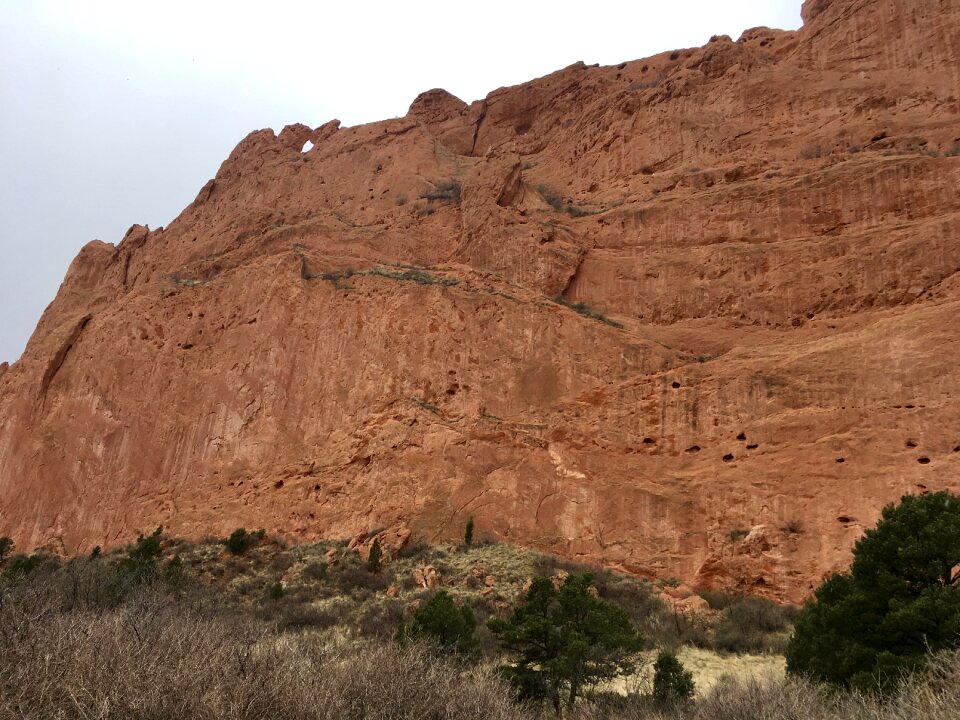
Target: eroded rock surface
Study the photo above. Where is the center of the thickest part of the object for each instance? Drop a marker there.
(692, 316)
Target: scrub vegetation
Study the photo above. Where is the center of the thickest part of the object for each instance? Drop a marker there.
(247, 627)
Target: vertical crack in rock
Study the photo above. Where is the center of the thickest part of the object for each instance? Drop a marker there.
(573, 275)
(126, 270)
(511, 186)
(60, 356)
(476, 129)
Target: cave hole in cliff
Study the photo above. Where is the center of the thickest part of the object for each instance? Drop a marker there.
(957, 448)
(911, 444)
(728, 458)
(841, 460)
(844, 519)
(649, 441)
(278, 484)
(674, 384)
(317, 487)
(693, 449)
(742, 436)
(752, 446)
(923, 460)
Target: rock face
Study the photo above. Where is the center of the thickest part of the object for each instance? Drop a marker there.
(692, 316)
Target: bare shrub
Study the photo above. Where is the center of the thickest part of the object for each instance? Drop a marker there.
(380, 619)
(151, 659)
(444, 190)
(935, 696)
(68, 651)
(314, 571)
(749, 624)
(353, 579)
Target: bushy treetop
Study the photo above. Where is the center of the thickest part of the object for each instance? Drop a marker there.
(899, 602)
(563, 640)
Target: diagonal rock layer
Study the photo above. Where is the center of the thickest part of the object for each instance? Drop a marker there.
(691, 316)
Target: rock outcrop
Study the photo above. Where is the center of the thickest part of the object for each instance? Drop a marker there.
(691, 316)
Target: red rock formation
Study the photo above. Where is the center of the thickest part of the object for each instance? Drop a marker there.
(765, 237)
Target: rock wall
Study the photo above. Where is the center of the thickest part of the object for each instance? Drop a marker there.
(689, 316)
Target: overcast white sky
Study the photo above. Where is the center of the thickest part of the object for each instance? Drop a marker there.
(114, 112)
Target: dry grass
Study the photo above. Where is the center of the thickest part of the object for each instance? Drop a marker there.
(935, 696)
(341, 594)
(152, 659)
(203, 649)
(710, 669)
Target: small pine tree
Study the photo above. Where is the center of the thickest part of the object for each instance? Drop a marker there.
(24, 564)
(671, 683)
(173, 573)
(376, 556)
(442, 622)
(564, 641)
(6, 547)
(468, 532)
(276, 591)
(95, 553)
(239, 541)
(140, 564)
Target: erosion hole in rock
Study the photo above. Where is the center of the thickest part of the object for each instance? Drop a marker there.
(752, 446)
(649, 441)
(278, 484)
(307, 146)
(844, 519)
(923, 460)
(693, 449)
(674, 385)
(911, 444)
(957, 448)
(317, 487)
(728, 458)
(742, 436)
(841, 460)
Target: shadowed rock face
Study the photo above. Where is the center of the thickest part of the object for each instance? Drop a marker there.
(690, 316)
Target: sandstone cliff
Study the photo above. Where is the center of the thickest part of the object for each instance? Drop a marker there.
(691, 316)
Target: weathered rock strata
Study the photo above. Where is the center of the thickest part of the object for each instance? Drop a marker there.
(386, 330)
